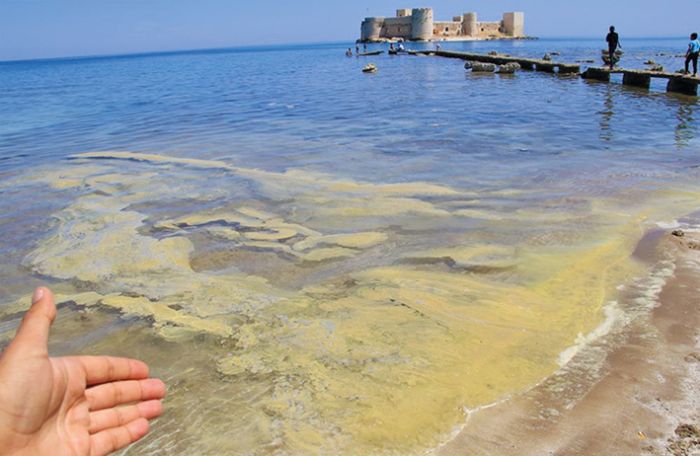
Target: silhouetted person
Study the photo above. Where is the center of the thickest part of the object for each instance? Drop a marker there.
(692, 54)
(348, 52)
(613, 40)
(357, 49)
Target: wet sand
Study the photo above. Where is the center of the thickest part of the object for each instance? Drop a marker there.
(642, 400)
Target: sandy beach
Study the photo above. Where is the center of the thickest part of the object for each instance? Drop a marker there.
(643, 398)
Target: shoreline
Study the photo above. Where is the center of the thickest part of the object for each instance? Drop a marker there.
(630, 392)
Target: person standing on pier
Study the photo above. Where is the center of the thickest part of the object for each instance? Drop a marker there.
(692, 54)
(613, 40)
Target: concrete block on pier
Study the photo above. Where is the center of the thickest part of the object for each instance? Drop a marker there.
(682, 85)
(545, 66)
(526, 64)
(636, 79)
(565, 68)
(597, 74)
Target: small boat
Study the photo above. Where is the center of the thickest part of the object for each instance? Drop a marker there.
(365, 54)
(397, 52)
(371, 68)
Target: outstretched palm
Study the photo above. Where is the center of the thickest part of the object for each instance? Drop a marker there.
(82, 405)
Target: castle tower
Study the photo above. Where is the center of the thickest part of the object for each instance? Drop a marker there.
(470, 27)
(372, 29)
(422, 24)
(514, 24)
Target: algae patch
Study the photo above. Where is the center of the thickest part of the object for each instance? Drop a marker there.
(365, 316)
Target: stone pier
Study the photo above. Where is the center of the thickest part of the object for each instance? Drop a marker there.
(677, 83)
(596, 74)
(682, 86)
(547, 66)
(637, 80)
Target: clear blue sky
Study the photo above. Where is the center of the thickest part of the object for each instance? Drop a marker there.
(52, 28)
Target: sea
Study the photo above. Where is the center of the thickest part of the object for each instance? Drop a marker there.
(322, 261)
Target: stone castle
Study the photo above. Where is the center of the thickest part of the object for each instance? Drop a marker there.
(418, 24)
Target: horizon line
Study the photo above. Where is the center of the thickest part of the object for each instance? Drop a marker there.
(254, 47)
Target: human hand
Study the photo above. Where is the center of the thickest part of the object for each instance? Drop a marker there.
(76, 405)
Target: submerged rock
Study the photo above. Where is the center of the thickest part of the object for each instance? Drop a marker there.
(371, 68)
(547, 57)
(678, 233)
(480, 67)
(687, 431)
(509, 68)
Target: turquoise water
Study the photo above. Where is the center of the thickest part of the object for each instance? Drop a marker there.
(319, 260)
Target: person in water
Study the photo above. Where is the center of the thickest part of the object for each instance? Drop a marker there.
(348, 52)
(76, 405)
(357, 49)
(613, 40)
(692, 54)
(391, 46)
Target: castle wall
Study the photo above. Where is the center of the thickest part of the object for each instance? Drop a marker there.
(423, 23)
(447, 29)
(487, 29)
(419, 24)
(470, 25)
(372, 29)
(398, 27)
(514, 24)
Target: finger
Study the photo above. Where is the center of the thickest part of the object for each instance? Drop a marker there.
(33, 334)
(119, 416)
(112, 394)
(114, 439)
(103, 369)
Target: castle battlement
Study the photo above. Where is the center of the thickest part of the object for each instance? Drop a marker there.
(418, 24)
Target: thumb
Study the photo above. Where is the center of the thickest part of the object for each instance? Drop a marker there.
(33, 334)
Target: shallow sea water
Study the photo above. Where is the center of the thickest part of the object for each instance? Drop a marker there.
(318, 260)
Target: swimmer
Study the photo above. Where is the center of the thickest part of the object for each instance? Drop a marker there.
(74, 405)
